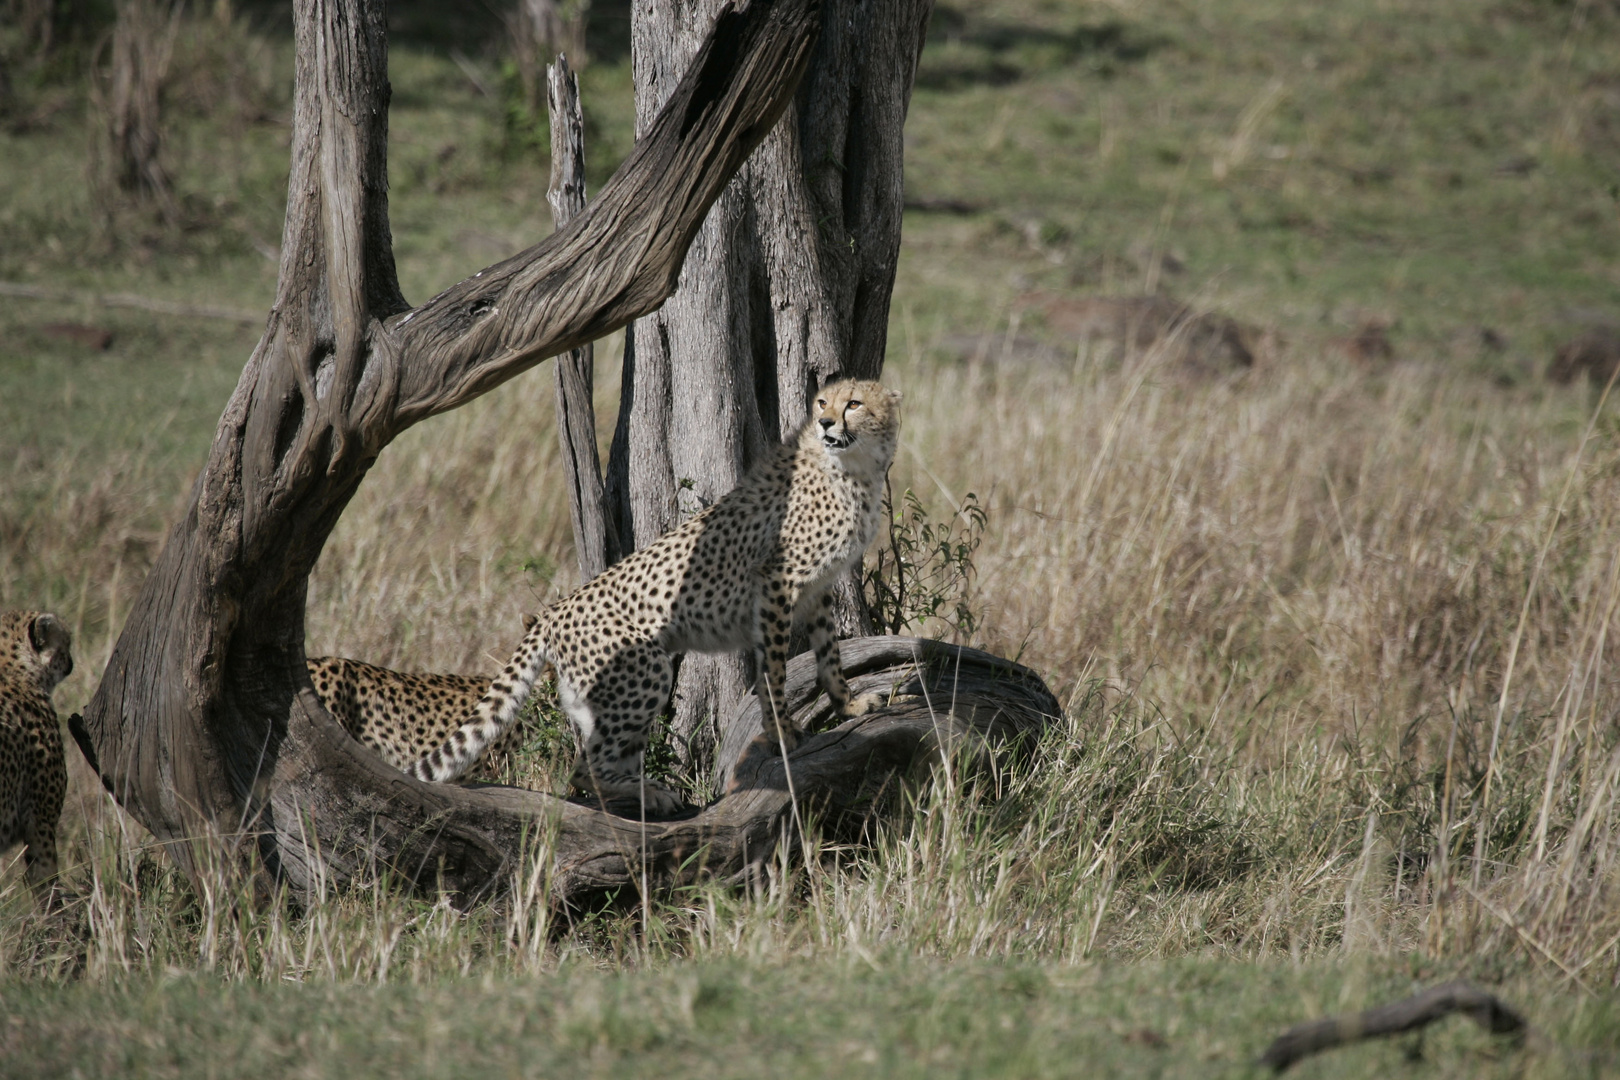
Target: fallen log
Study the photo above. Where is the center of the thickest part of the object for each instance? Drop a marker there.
(946, 702)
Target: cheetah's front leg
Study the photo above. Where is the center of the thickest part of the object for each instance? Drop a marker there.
(772, 629)
(830, 667)
(39, 827)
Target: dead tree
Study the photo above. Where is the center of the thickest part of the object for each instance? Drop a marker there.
(596, 540)
(539, 28)
(205, 726)
(786, 286)
(142, 46)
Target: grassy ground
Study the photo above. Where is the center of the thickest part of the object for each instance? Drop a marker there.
(1334, 640)
(888, 1016)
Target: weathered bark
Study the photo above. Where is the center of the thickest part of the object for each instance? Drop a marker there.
(205, 724)
(206, 727)
(596, 539)
(786, 286)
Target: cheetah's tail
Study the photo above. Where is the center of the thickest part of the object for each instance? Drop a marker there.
(495, 712)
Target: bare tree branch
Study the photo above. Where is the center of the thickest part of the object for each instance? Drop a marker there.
(596, 539)
(129, 300)
(621, 258)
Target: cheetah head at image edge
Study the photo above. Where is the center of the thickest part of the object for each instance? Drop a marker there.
(39, 645)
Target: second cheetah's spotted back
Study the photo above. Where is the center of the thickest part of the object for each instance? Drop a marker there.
(402, 715)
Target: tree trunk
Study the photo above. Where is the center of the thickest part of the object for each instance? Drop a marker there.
(786, 286)
(205, 725)
(540, 28)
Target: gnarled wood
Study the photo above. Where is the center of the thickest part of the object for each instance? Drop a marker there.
(945, 699)
(205, 724)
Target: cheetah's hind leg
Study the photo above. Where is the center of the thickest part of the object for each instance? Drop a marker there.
(612, 721)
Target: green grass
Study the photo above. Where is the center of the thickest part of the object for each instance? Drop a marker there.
(1278, 607)
(882, 1016)
(1443, 167)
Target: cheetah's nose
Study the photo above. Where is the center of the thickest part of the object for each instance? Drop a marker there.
(826, 424)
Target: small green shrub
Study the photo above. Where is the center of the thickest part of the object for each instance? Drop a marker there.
(926, 570)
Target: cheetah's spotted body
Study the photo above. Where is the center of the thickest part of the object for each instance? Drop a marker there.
(735, 576)
(402, 715)
(35, 655)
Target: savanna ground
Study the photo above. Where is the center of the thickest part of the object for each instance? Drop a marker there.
(1333, 637)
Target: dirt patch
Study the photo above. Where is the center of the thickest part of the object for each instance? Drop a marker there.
(1197, 342)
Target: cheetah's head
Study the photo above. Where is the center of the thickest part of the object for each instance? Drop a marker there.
(37, 644)
(858, 418)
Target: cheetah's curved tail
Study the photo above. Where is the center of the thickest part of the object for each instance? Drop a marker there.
(495, 712)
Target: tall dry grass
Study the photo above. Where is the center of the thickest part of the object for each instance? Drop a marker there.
(1335, 649)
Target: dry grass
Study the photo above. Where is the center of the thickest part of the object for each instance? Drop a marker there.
(1281, 608)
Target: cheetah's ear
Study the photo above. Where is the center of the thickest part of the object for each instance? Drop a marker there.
(895, 396)
(529, 619)
(45, 632)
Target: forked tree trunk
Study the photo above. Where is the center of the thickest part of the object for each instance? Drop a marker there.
(205, 723)
(205, 726)
(786, 286)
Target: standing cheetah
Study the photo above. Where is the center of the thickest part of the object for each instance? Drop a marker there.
(735, 576)
(35, 655)
(403, 715)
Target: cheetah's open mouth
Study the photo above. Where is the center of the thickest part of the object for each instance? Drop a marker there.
(835, 442)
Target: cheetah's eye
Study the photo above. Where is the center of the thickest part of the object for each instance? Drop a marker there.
(854, 404)
(821, 403)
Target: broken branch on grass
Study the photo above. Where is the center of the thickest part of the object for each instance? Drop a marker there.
(1408, 1014)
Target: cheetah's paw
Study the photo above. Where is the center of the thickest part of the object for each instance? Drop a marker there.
(662, 802)
(860, 706)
